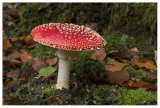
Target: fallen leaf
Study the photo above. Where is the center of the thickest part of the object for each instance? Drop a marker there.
(115, 66)
(27, 38)
(11, 62)
(142, 84)
(26, 58)
(14, 39)
(22, 80)
(6, 44)
(145, 64)
(47, 71)
(58, 99)
(13, 74)
(49, 77)
(52, 61)
(119, 55)
(117, 78)
(39, 64)
(12, 101)
(43, 6)
(99, 55)
(16, 54)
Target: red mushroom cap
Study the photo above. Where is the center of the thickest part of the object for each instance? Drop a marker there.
(67, 37)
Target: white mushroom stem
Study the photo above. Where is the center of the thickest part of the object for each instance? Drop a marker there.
(65, 59)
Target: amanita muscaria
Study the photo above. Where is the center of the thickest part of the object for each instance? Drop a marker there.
(69, 39)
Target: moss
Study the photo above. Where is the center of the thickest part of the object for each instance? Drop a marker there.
(132, 97)
(128, 97)
(101, 89)
(135, 73)
(42, 51)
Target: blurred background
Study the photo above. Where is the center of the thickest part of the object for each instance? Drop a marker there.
(123, 25)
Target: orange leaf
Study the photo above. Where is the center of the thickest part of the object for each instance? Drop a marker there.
(115, 66)
(6, 44)
(27, 38)
(147, 64)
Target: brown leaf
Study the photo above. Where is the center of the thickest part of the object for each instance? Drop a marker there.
(6, 44)
(11, 62)
(39, 64)
(27, 38)
(142, 84)
(16, 54)
(115, 66)
(119, 55)
(59, 100)
(52, 61)
(12, 101)
(13, 74)
(145, 64)
(23, 80)
(99, 55)
(43, 6)
(50, 76)
(117, 78)
(26, 58)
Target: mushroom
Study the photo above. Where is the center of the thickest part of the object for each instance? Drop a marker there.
(70, 40)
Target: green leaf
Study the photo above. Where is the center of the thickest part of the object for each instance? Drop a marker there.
(46, 71)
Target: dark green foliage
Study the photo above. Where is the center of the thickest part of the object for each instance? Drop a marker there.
(34, 92)
(42, 51)
(107, 95)
(26, 69)
(85, 66)
(29, 17)
(71, 96)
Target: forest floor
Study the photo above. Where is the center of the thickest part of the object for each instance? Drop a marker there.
(100, 77)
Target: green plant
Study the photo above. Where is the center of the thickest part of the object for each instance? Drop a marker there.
(132, 97)
(110, 60)
(26, 65)
(42, 51)
(135, 73)
(88, 67)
